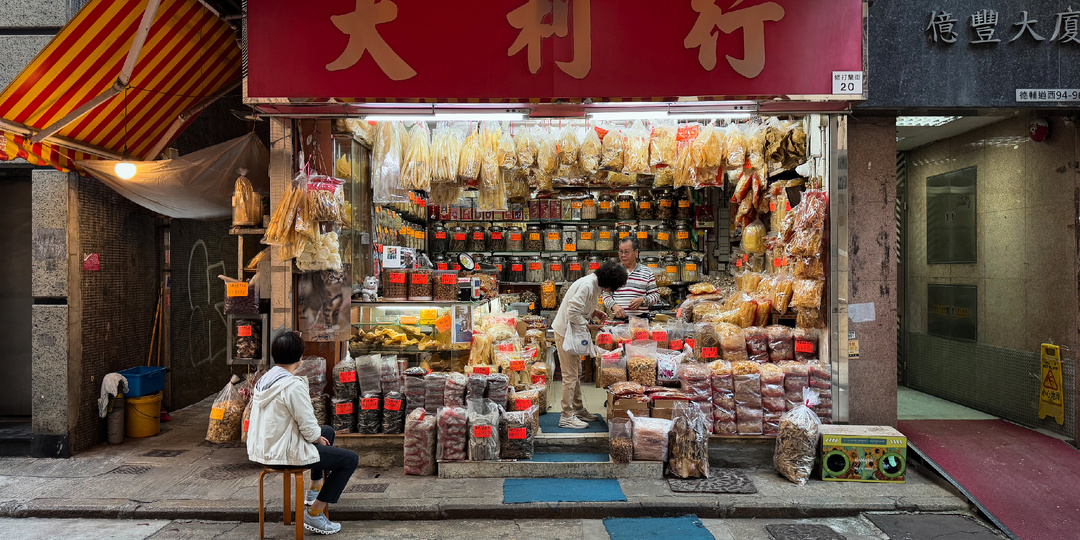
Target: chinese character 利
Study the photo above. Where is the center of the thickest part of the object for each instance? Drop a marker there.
(942, 25)
(529, 17)
(1067, 26)
(752, 22)
(364, 37)
(985, 23)
(1026, 25)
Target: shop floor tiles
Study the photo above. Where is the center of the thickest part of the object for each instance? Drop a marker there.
(554, 457)
(683, 528)
(530, 490)
(549, 423)
(719, 481)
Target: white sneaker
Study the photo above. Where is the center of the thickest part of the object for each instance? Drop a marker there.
(310, 496)
(320, 524)
(586, 416)
(572, 423)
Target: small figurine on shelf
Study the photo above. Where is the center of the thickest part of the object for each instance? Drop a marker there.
(370, 292)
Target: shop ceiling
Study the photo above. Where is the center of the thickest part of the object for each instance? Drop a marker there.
(923, 130)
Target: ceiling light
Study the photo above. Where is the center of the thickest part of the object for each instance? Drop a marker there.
(449, 117)
(125, 170)
(628, 115)
(924, 121)
(711, 116)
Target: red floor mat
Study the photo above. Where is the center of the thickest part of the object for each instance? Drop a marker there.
(1029, 482)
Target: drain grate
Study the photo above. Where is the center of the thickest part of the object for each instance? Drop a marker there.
(230, 444)
(130, 469)
(802, 532)
(230, 471)
(367, 488)
(164, 453)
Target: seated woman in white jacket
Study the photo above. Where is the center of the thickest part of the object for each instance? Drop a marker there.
(283, 433)
(578, 306)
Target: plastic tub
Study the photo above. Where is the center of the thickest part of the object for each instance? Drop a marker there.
(144, 380)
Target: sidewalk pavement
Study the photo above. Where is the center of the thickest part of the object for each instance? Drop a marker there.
(178, 475)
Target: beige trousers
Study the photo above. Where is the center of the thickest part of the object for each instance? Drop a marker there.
(570, 364)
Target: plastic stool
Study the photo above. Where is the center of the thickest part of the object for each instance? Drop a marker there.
(287, 477)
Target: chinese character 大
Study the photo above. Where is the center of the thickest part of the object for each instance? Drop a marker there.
(364, 37)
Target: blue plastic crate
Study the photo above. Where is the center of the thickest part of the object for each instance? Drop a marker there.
(144, 380)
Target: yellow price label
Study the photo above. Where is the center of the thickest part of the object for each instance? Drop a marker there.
(429, 314)
(239, 288)
(217, 413)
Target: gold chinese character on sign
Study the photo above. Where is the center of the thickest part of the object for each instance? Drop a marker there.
(529, 19)
(364, 37)
(752, 22)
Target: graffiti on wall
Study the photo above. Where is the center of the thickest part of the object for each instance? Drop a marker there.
(201, 276)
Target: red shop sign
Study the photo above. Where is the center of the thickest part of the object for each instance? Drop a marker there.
(545, 49)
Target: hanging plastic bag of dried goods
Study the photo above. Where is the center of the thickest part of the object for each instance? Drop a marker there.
(662, 145)
(689, 451)
(636, 150)
(547, 155)
(420, 437)
(507, 154)
(613, 140)
(525, 145)
(246, 203)
(688, 155)
(345, 382)
(471, 159)
(589, 153)
(390, 139)
(241, 297)
(446, 142)
(516, 433)
(796, 442)
(483, 429)
(416, 166)
(227, 414)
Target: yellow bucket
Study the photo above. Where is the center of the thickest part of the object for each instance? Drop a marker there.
(143, 416)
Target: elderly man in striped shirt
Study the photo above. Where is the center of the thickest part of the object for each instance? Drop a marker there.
(634, 298)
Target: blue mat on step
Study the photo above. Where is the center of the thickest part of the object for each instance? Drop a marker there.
(549, 423)
(529, 490)
(683, 528)
(551, 457)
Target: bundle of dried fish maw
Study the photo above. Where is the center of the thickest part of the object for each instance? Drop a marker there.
(547, 156)
(636, 150)
(662, 145)
(734, 141)
(507, 154)
(525, 144)
(446, 142)
(589, 154)
(568, 146)
(471, 158)
(613, 142)
(416, 167)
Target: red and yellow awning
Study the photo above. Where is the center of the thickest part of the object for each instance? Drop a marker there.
(69, 103)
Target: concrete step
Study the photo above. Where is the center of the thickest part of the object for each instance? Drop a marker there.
(551, 469)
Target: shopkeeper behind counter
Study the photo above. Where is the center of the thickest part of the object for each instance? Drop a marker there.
(578, 306)
(640, 292)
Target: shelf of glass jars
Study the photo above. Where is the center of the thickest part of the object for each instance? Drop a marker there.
(560, 221)
(578, 252)
(561, 283)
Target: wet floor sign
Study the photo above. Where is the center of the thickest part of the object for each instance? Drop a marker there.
(1050, 391)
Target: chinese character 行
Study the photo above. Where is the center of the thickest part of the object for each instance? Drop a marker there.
(985, 22)
(364, 37)
(752, 22)
(1026, 25)
(942, 27)
(1067, 26)
(529, 19)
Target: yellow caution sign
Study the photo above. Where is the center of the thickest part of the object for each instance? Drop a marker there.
(1050, 390)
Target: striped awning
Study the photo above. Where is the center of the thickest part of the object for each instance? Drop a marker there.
(167, 59)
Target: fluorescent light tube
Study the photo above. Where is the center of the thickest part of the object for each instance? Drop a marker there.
(450, 117)
(924, 121)
(711, 115)
(628, 115)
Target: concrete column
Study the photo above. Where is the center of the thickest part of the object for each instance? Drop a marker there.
(872, 268)
(281, 174)
(53, 404)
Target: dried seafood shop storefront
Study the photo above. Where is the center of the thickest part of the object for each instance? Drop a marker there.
(471, 181)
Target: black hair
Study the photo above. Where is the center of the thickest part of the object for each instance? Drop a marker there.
(611, 276)
(287, 348)
(634, 242)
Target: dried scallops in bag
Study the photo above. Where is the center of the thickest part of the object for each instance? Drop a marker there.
(612, 156)
(416, 166)
(591, 147)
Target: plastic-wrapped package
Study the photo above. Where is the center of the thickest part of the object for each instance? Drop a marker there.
(416, 165)
(612, 369)
(797, 440)
(227, 414)
(821, 382)
(781, 344)
(650, 436)
(695, 381)
(434, 391)
(641, 362)
(345, 383)
(806, 344)
(525, 144)
(471, 158)
(626, 388)
(809, 268)
(809, 318)
(367, 368)
(706, 343)
(796, 378)
(454, 391)
(806, 293)
(420, 429)
(667, 366)
(343, 415)
(782, 293)
(747, 386)
(568, 145)
(453, 437)
(386, 158)
(516, 433)
(753, 238)
(483, 416)
(415, 387)
(246, 423)
(659, 335)
(528, 400)
(613, 142)
(689, 451)
(734, 141)
(393, 413)
(732, 342)
(772, 397)
(314, 369)
(446, 142)
(369, 419)
(723, 399)
(620, 434)
(662, 145)
(389, 375)
(318, 405)
(636, 149)
(757, 343)
(507, 155)
(476, 386)
(498, 388)
(590, 153)
(547, 155)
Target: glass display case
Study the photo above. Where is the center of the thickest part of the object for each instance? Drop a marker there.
(352, 163)
(421, 329)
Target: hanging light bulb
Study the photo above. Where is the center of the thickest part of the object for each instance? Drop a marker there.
(125, 170)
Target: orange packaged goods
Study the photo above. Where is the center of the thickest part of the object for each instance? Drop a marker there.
(809, 268)
(747, 311)
(806, 293)
(732, 342)
(764, 310)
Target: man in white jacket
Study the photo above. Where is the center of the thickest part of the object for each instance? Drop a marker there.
(283, 433)
(578, 306)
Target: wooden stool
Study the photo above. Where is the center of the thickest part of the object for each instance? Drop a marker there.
(287, 476)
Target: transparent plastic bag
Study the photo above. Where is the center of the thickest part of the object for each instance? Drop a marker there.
(706, 343)
(753, 240)
(806, 293)
(227, 414)
(393, 413)
(387, 154)
(343, 415)
(667, 366)
(454, 390)
(797, 439)
(420, 438)
(434, 391)
(369, 417)
(525, 145)
(415, 388)
(483, 416)
(747, 386)
(507, 155)
(498, 388)
(416, 165)
(806, 344)
(313, 368)
(620, 435)
(568, 145)
(613, 142)
(612, 369)
(689, 445)
(641, 362)
(696, 381)
(781, 344)
(547, 156)
(591, 148)
(516, 434)
(367, 368)
(662, 145)
(471, 158)
(757, 344)
(446, 143)
(636, 150)
(723, 399)
(650, 436)
(389, 374)
(453, 434)
(345, 383)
